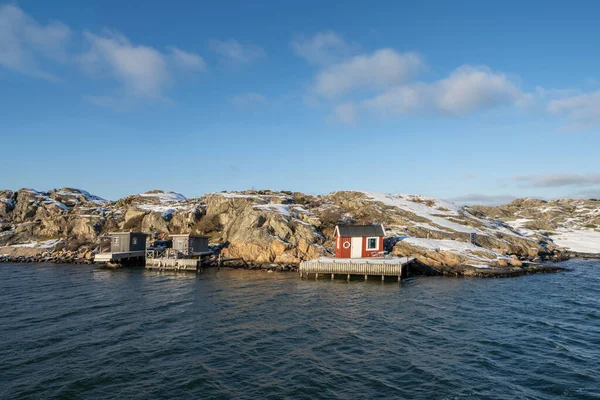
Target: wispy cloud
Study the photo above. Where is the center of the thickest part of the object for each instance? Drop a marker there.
(31, 48)
(143, 72)
(235, 52)
(582, 111)
(187, 60)
(377, 71)
(557, 180)
(344, 113)
(383, 82)
(483, 199)
(25, 43)
(468, 89)
(141, 69)
(323, 48)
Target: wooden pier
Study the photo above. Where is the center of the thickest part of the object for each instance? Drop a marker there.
(174, 264)
(174, 260)
(124, 258)
(380, 267)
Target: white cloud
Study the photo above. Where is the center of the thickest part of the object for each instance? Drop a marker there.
(345, 113)
(234, 52)
(186, 60)
(377, 71)
(558, 180)
(143, 71)
(583, 110)
(248, 100)
(323, 48)
(466, 90)
(24, 42)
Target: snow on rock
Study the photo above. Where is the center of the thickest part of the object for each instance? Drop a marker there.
(447, 245)
(69, 192)
(276, 208)
(435, 210)
(164, 196)
(580, 241)
(57, 204)
(163, 202)
(10, 202)
(572, 224)
(48, 244)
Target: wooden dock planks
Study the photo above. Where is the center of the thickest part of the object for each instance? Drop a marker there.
(364, 267)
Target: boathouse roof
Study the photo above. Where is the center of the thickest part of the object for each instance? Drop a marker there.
(188, 235)
(359, 230)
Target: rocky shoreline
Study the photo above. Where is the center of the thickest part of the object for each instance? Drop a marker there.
(28, 256)
(276, 230)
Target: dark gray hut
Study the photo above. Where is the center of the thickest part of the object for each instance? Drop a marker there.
(122, 242)
(191, 245)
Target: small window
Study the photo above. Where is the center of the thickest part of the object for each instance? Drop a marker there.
(115, 240)
(372, 243)
(134, 241)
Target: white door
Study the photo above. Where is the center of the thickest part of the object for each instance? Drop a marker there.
(356, 248)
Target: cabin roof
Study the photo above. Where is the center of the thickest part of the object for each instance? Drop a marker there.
(360, 230)
(189, 235)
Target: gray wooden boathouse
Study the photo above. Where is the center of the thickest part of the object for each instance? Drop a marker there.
(127, 241)
(190, 245)
(189, 252)
(126, 248)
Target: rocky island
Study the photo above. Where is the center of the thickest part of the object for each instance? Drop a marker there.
(284, 227)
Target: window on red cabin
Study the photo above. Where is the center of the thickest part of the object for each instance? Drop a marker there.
(372, 243)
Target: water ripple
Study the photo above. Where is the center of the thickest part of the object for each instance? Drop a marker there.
(80, 332)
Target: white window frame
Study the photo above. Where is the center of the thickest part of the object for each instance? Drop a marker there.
(376, 243)
(338, 242)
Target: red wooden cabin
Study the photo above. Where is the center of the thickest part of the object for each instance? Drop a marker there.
(358, 241)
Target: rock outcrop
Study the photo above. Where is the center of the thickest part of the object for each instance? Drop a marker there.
(566, 224)
(280, 227)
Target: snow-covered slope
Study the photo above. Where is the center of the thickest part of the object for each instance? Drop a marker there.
(573, 224)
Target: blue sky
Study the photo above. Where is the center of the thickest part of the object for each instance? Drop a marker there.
(473, 101)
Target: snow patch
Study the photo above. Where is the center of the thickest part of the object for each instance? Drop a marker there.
(48, 244)
(282, 209)
(580, 241)
(165, 196)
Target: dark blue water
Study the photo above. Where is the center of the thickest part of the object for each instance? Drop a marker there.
(79, 332)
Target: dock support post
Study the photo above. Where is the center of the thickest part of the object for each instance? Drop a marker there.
(348, 277)
(301, 275)
(382, 278)
(317, 275)
(399, 278)
(366, 276)
(332, 275)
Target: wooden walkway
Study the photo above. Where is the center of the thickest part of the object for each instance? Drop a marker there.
(366, 267)
(120, 258)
